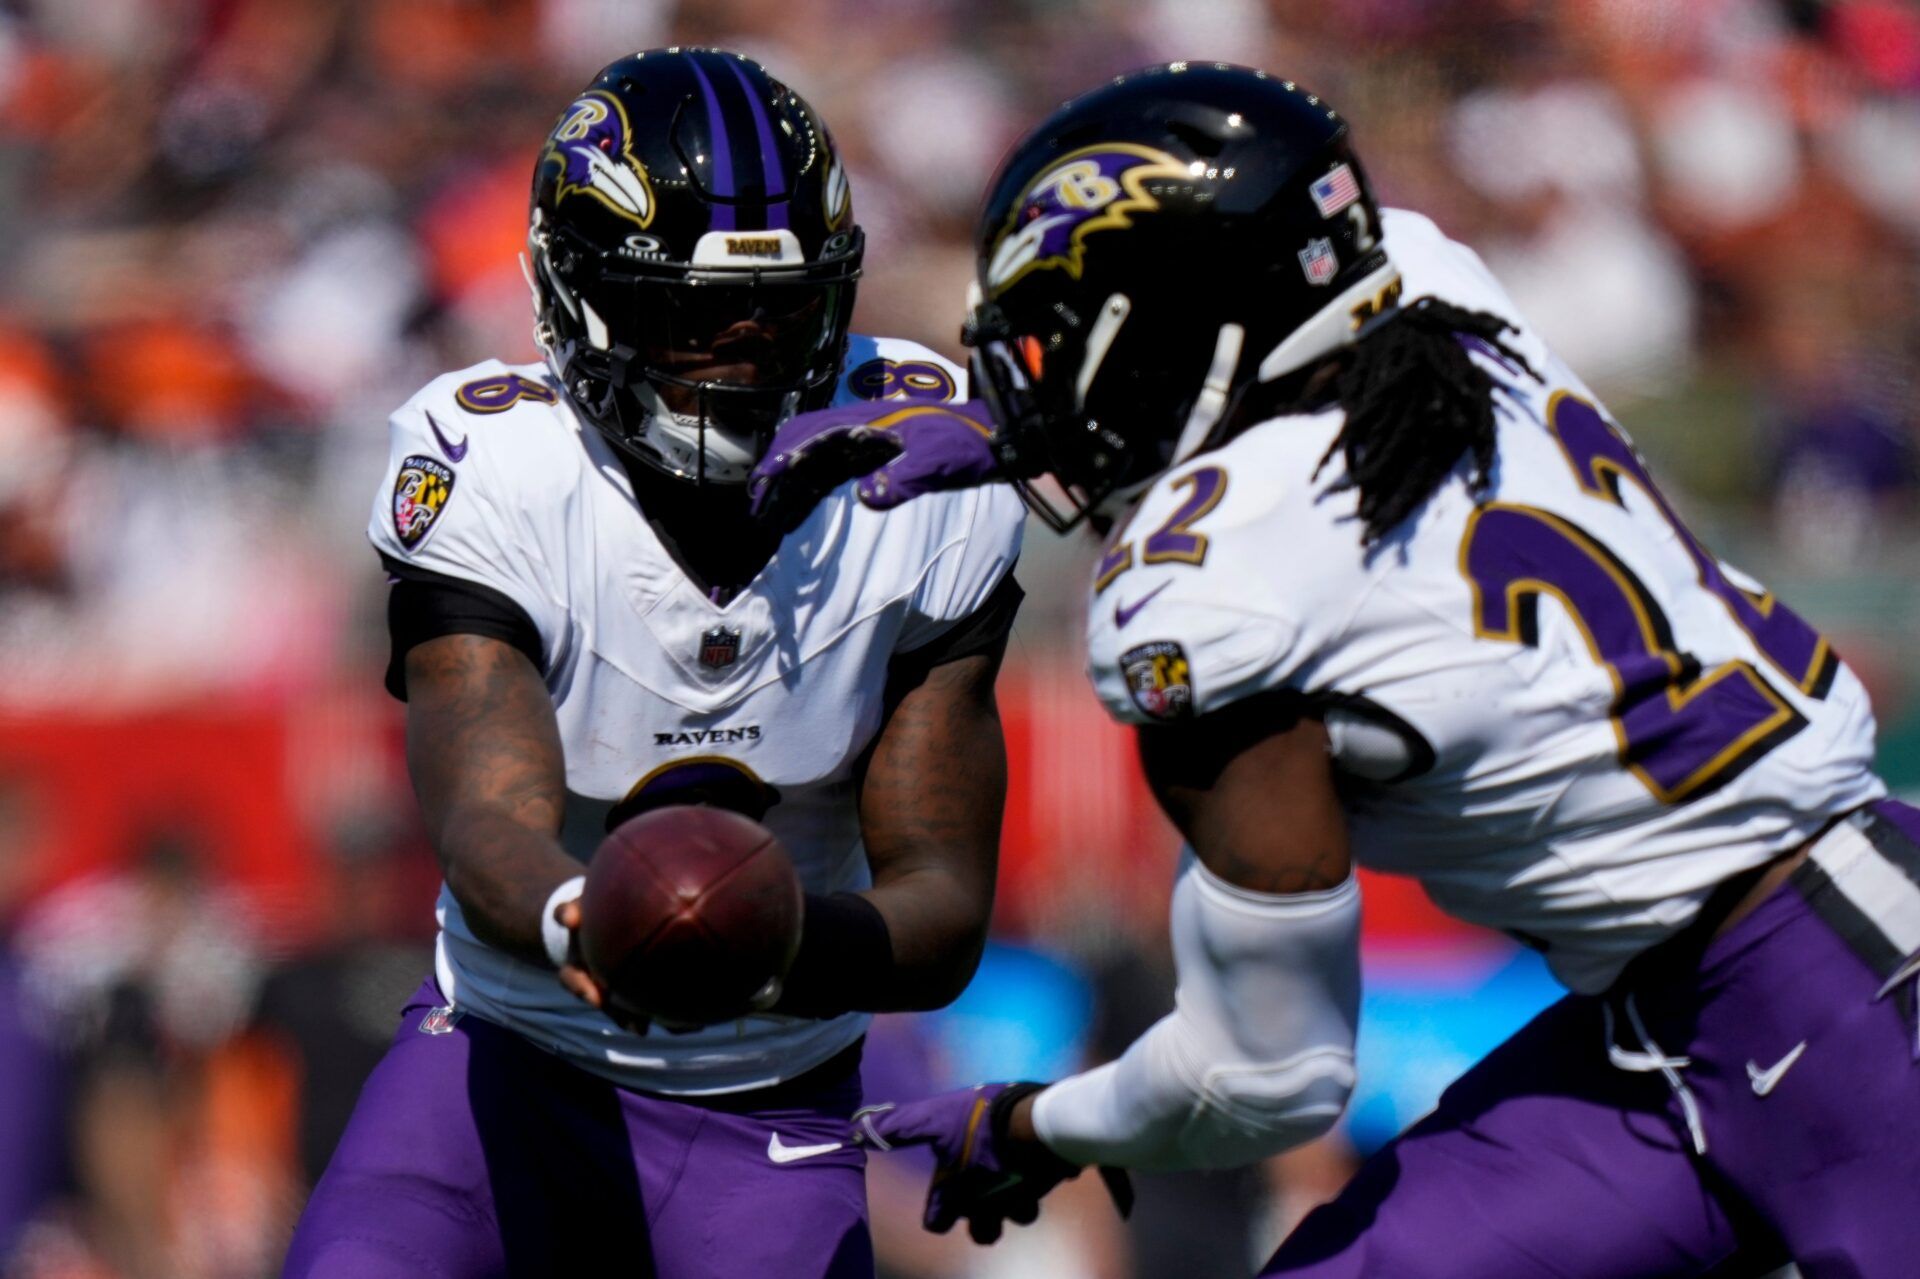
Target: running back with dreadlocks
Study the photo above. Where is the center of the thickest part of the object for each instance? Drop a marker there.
(1519, 697)
(1415, 404)
(1553, 707)
(1549, 704)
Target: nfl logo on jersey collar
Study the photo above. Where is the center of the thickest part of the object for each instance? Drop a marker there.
(719, 647)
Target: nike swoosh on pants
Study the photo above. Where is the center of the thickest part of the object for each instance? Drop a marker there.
(785, 1154)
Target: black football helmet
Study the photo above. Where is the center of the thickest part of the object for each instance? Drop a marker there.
(1148, 254)
(693, 254)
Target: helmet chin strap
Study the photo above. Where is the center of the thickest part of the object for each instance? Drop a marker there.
(1212, 400)
(1106, 327)
(681, 440)
(1207, 408)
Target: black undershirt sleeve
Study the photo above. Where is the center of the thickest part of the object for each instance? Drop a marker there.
(984, 630)
(424, 605)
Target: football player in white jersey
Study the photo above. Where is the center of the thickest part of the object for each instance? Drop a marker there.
(587, 624)
(1384, 582)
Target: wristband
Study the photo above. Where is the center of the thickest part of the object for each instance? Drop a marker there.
(1034, 1158)
(557, 936)
(1039, 1160)
(845, 960)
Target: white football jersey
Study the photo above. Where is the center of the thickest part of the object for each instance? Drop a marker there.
(495, 480)
(1550, 704)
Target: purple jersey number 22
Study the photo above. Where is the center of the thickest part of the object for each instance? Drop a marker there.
(1174, 541)
(1682, 730)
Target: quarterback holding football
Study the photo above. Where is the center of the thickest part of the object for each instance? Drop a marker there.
(1384, 582)
(587, 625)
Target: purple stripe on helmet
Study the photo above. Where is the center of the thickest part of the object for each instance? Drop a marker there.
(769, 152)
(723, 217)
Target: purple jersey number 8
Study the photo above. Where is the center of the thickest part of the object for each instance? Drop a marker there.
(498, 394)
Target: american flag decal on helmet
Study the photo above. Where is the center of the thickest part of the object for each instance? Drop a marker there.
(1335, 191)
(719, 647)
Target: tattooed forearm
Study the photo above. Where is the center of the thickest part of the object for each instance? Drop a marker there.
(930, 813)
(484, 752)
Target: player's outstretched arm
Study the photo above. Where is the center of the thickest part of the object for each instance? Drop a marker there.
(1258, 1054)
(484, 752)
(930, 807)
(930, 813)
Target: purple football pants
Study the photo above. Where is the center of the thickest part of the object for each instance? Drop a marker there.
(1761, 1100)
(474, 1154)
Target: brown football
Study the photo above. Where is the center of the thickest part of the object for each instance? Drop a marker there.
(688, 914)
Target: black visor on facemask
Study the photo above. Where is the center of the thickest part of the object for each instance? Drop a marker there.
(762, 336)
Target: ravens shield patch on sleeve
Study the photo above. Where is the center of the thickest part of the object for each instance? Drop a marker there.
(420, 493)
(1158, 679)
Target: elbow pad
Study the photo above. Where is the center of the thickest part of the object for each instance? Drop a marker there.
(1256, 1057)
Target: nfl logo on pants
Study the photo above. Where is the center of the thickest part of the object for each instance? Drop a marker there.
(719, 647)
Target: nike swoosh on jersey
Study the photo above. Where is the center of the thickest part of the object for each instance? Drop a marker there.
(453, 451)
(1124, 613)
(1765, 1080)
(783, 1154)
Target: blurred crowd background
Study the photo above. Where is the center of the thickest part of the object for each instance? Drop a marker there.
(238, 232)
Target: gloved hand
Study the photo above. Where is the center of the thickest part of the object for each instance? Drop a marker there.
(898, 450)
(982, 1173)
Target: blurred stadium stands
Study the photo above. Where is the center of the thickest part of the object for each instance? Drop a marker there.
(237, 232)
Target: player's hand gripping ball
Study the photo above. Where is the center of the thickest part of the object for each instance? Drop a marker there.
(690, 916)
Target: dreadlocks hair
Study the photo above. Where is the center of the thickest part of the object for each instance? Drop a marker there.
(1415, 404)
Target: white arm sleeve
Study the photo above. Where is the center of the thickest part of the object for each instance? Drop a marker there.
(1257, 1055)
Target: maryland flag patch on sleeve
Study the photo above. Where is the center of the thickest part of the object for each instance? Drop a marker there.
(1159, 680)
(420, 493)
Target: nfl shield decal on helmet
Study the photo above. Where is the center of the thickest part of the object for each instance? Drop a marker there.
(420, 493)
(719, 647)
(1319, 261)
(1158, 679)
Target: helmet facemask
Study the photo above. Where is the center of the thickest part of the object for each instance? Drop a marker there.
(1070, 406)
(690, 368)
(1007, 373)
